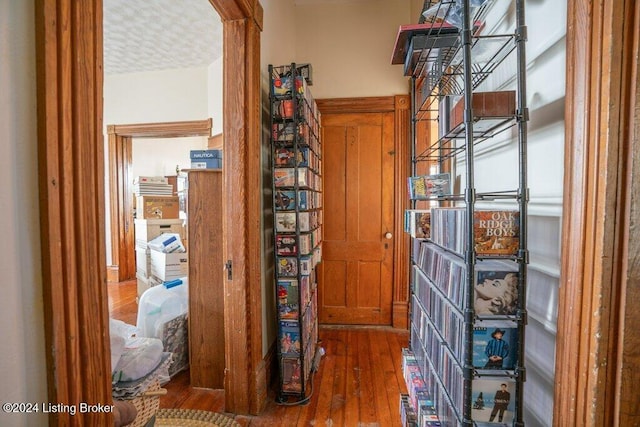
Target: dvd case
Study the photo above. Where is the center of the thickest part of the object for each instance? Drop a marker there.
(418, 223)
(291, 222)
(286, 200)
(292, 245)
(289, 338)
(495, 290)
(495, 345)
(424, 187)
(286, 156)
(288, 299)
(497, 232)
(291, 372)
(493, 401)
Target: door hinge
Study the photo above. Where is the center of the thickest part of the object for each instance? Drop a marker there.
(229, 267)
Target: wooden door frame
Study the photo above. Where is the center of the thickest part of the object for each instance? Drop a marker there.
(71, 183)
(400, 106)
(120, 142)
(598, 319)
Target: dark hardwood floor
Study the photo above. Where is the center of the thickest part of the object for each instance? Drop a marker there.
(358, 383)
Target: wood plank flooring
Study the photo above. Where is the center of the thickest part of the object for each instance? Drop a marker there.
(357, 384)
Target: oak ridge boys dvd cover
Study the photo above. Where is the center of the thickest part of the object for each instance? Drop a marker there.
(497, 232)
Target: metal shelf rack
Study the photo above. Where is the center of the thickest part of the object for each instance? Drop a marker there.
(297, 213)
(448, 56)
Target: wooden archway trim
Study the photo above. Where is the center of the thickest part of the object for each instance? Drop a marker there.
(120, 194)
(164, 129)
(71, 171)
(246, 374)
(597, 363)
(71, 181)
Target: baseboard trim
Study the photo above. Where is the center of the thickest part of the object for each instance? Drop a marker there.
(401, 315)
(113, 274)
(266, 378)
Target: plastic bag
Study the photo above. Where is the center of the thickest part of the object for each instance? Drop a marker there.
(139, 358)
(119, 333)
(122, 329)
(117, 347)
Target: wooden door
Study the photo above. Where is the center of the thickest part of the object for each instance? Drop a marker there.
(356, 280)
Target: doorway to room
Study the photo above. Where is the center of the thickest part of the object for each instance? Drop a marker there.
(121, 138)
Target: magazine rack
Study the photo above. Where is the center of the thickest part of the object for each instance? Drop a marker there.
(297, 214)
(466, 341)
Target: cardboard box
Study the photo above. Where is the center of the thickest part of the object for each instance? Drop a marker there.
(157, 207)
(149, 229)
(206, 159)
(167, 243)
(143, 283)
(169, 266)
(143, 263)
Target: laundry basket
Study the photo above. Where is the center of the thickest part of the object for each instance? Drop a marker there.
(147, 404)
(145, 393)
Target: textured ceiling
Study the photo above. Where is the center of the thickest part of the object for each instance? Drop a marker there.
(152, 35)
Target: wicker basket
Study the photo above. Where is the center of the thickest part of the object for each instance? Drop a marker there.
(147, 404)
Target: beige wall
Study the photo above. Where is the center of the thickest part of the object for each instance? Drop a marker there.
(277, 47)
(349, 45)
(278, 35)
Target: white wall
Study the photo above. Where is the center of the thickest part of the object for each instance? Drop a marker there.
(156, 96)
(278, 39)
(22, 361)
(161, 156)
(214, 92)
